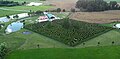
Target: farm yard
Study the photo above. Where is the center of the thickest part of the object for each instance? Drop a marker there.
(65, 35)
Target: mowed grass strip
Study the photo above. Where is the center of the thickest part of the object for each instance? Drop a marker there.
(7, 12)
(27, 8)
(111, 52)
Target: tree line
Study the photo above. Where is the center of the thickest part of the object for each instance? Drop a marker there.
(97, 5)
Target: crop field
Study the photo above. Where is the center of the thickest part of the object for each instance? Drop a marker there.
(97, 17)
(7, 12)
(27, 8)
(110, 52)
(72, 33)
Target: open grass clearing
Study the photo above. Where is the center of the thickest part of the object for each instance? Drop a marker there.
(109, 52)
(3, 13)
(105, 39)
(28, 8)
(18, 40)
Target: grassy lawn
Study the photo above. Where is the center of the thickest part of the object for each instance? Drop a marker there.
(18, 40)
(27, 8)
(113, 0)
(26, 0)
(61, 14)
(110, 52)
(105, 39)
(6, 12)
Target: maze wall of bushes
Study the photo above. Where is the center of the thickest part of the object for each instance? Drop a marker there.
(67, 31)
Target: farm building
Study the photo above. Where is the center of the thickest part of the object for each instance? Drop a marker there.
(42, 18)
(34, 4)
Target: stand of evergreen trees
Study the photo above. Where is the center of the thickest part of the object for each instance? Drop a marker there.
(9, 3)
(97, 5)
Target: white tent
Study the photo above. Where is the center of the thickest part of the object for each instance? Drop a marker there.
(22, 15)
(117, 25)
(34, 4)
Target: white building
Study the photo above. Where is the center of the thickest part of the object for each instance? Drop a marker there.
(34, 4)
(117, 26)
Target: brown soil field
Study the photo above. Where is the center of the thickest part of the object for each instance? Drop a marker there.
(97, 17)
(63, 4)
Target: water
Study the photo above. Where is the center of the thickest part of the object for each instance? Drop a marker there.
(13, 27)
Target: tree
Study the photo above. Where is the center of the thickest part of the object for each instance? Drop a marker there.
(39, 12)
(113, 42)
(96, 5)
(72, 10)
(98, 43)
(16, 17)
(64, 10)
(113, 4)
(8, 16)
(58, 9)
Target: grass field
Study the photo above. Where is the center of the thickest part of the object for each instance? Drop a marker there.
(105, 39)
(113, 0)
(110, 52)
(18, 40)
(26, 0)
(28, 8)
(7, 12)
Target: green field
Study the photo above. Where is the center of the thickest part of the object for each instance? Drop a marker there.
(105, 39)
(28, 8)
(26, 0)
(110, 52)
(7, 12)
(113, 0)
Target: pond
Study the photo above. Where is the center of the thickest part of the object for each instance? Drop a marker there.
(13, 27)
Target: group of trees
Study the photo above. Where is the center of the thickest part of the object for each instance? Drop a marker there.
(15, 16)
(8, 3)
(96, 5)
(32, 13)
(3, 50)
(61, 10)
